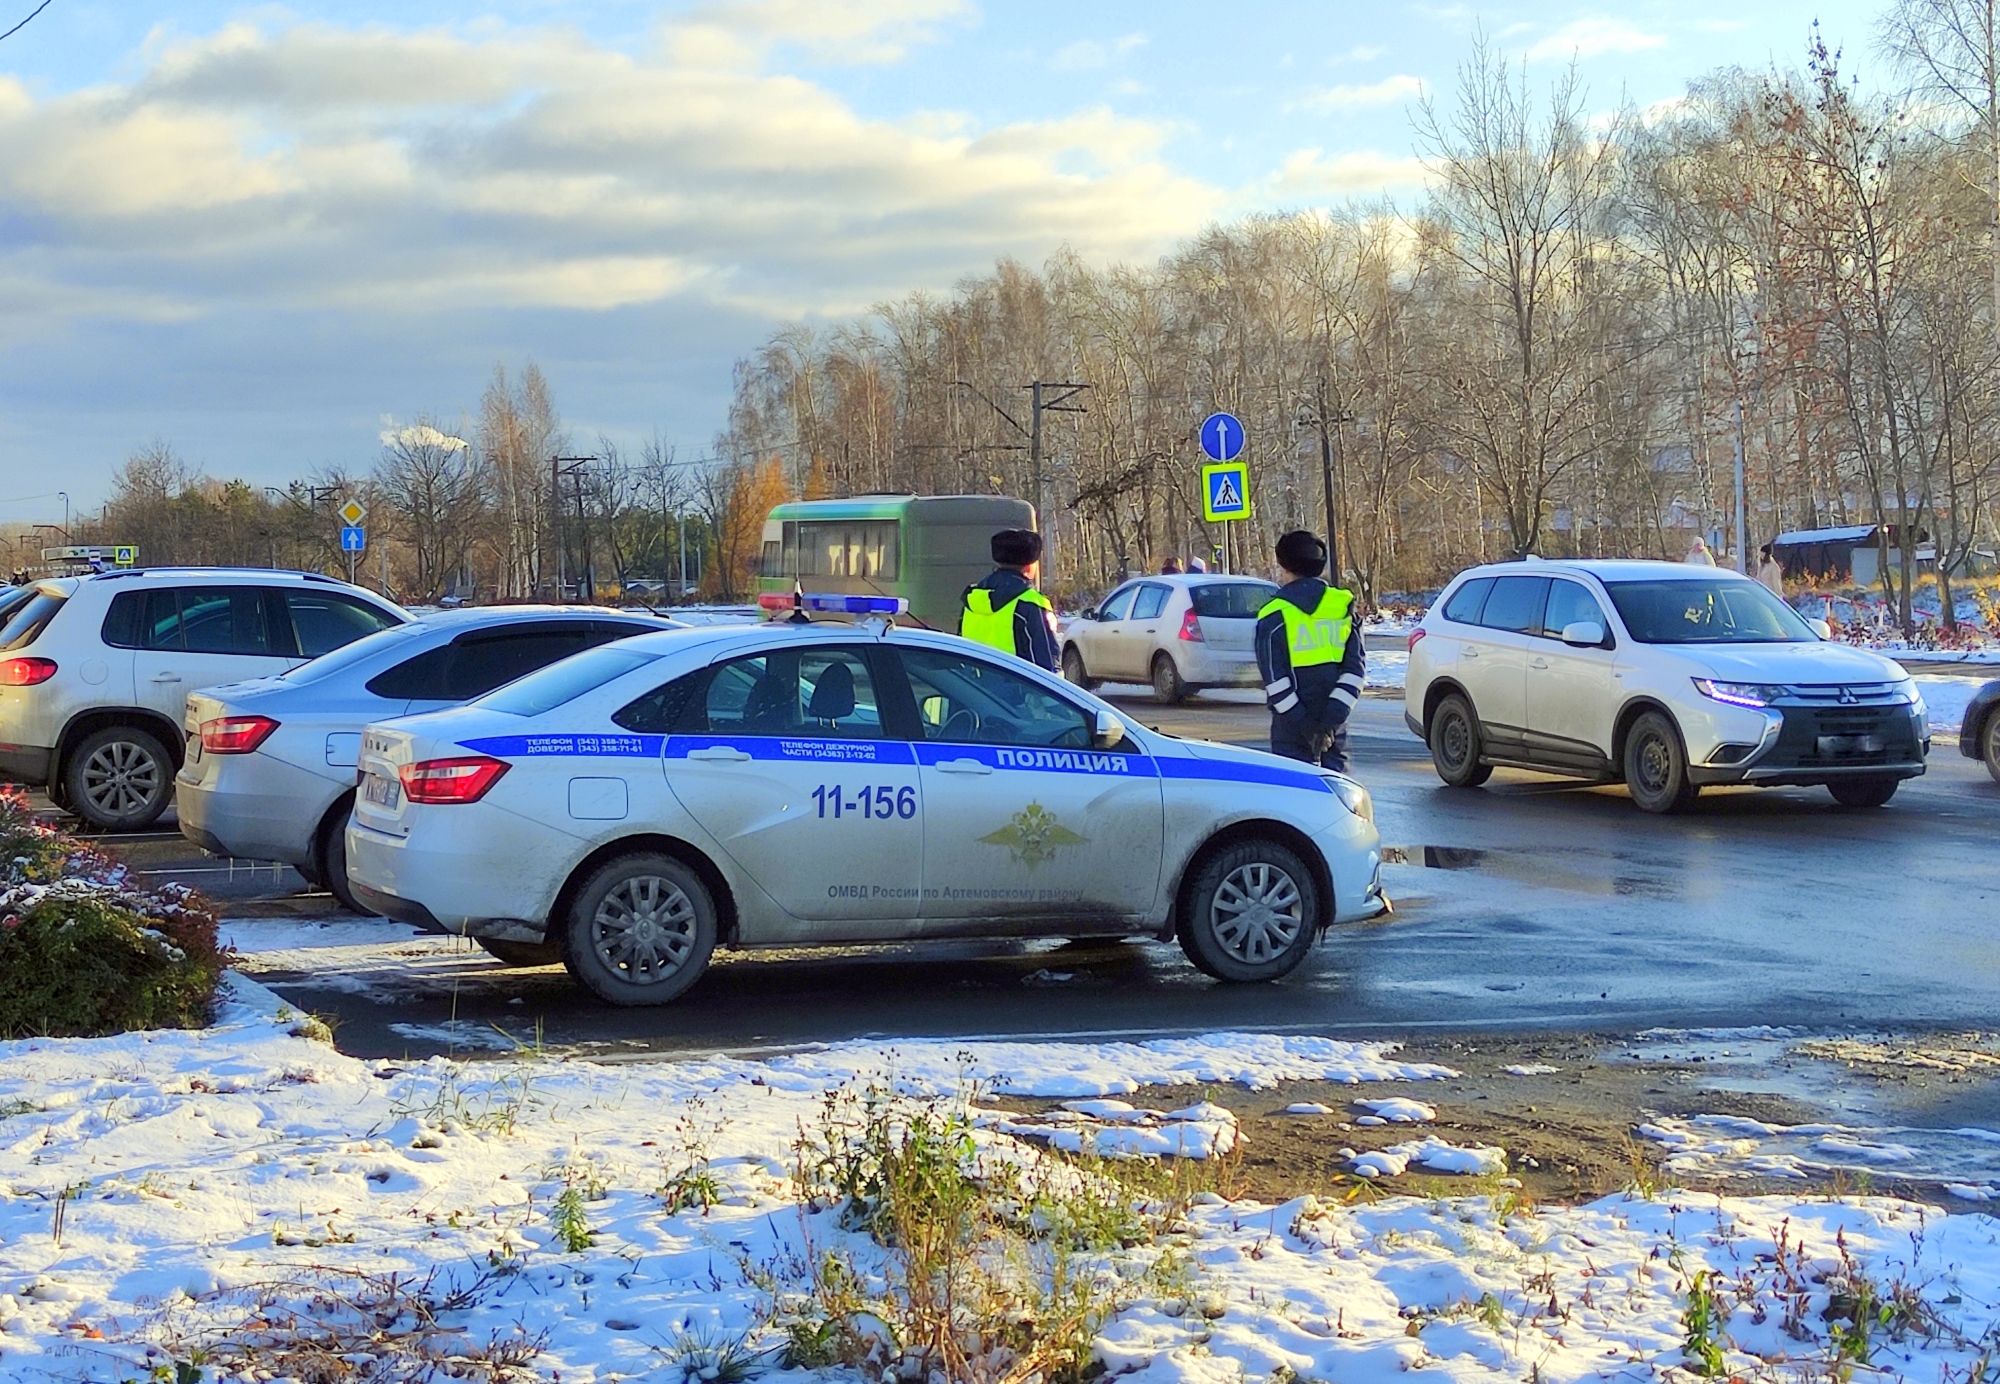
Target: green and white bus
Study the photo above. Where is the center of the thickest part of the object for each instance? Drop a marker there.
(924, 548)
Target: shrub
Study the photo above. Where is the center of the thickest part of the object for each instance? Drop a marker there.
(83, 952)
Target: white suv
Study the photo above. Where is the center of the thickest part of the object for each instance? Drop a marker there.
(1664, 676)
(95, 671)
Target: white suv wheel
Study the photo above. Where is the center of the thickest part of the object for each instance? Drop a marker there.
(119, 778)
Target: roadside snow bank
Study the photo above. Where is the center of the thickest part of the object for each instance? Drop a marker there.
(162, 1189)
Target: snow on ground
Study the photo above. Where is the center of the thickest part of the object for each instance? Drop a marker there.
(156, 1184)
(1947, 697)
(1396, 1110)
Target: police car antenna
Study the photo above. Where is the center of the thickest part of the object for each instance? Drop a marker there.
(798, 615)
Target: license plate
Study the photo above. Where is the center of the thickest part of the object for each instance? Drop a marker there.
(377, 791)
(1851, 744)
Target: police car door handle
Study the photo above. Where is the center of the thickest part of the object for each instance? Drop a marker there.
(963, 766)
(719, 753)
(166, 677)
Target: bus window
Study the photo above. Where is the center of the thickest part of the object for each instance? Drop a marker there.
(847, 548)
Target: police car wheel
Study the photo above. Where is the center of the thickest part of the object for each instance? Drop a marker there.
(521, 953)
(1169, 687)
(640, 931)
(1252, 912)
(1455, 747)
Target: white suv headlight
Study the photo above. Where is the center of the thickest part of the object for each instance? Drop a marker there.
(1352, 796)
(1750, 694)
(1907, 691)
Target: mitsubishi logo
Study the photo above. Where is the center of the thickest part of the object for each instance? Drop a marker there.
(1847, 696)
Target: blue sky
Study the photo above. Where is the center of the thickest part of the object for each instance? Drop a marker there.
(255, 231)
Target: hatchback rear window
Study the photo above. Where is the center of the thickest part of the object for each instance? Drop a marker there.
(27, 620)
(1231, 600)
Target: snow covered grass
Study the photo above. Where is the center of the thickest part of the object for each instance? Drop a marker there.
(1946, 699)
(242, 1203)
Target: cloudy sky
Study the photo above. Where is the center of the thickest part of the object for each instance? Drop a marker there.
(255, 230)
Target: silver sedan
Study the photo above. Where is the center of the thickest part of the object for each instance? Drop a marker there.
(270, 766)
(1181, 633)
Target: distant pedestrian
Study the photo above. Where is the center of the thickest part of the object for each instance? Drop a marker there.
(1195, 564)
(1171, 567)
(1771, 573)
(1698, 554)
(1310, 656)
(1004, 610)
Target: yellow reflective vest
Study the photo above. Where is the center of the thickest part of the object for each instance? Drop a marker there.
(983, 624)
(1318, 637)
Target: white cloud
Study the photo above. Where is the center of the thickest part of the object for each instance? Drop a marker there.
(1386, 92)
(856, 31)
(392, 172)
(1590, 36)
(1308, 177)
(1361, 52)
(1086, 55)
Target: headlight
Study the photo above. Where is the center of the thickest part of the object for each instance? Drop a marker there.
(1352, 796)
(1751, 694)
(1906, 690)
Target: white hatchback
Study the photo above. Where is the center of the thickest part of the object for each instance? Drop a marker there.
(1180, 632)
(1663, 676)
(789, 784)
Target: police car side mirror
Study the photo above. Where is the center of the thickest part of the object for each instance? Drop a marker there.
(1583, 634)
(1821, 628)
(1110, 731)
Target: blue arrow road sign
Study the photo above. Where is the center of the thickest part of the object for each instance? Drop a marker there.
(353, 538)
(1222, 436)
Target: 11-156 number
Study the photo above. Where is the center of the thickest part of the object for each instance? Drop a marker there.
(881, 801)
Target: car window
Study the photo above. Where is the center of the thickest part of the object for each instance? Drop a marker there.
(1570, 602)
(968, 701)
(1151, 601)
(25, 623)
(360, 651)
(325, 620)
(660, 711)
(486, 660)
(420, 679)
(1707, 610)
(1231, 600)
(819, 693)
(1118, 605)
(548, 688)
(1465, 602)
(224, 620)
(1515, 603)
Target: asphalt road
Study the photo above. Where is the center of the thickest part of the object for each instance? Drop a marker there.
(1531, 903)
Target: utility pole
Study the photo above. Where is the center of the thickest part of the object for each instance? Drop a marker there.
(1742, 523)
(558, 468)
(1044, 396)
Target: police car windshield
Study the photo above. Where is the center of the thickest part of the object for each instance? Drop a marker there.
(548, 688)
(347, 655)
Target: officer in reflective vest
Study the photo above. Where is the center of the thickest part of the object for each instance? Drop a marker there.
(1311, 657)
(1005, 610)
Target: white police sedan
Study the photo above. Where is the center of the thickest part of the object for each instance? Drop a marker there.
(793, 784)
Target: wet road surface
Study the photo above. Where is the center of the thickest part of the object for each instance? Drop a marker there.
(1531, 903)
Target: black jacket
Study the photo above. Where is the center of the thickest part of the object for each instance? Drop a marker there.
(1338, 685)
(1033, 639)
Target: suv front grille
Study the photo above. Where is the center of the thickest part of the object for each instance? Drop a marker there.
(1847, 737)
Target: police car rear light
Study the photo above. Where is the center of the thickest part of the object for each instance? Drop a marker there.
(235, 734)
(1191, 627)
(834, 603)
(26, 672)
(463, 780)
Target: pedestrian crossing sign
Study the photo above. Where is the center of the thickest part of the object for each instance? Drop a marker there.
(1225, 491)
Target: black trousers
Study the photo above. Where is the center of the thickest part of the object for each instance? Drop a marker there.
(1309, 731)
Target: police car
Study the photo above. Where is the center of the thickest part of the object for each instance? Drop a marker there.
(644, 802)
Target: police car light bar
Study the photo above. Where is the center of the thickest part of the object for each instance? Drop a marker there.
(830, 603)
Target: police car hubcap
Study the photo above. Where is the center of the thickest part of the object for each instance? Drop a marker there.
(644, 929)
(1257, 912)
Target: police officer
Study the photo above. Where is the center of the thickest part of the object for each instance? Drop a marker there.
(1310, 656)
(1005, 610)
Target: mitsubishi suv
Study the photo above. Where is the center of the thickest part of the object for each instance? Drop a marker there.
(95, 671)
(1663, 676)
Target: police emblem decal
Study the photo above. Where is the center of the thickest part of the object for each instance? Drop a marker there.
(1033, 836)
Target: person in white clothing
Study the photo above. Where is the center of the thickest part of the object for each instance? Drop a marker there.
(1698, 554)
(1771, 573)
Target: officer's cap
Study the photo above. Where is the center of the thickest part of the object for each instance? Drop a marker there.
(1017, 547)
(1301, 552)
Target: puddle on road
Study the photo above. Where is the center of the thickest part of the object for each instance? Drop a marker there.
(1527, 865)
(1924, 1110)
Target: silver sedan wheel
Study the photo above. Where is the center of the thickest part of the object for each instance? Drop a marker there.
(120, 778)
(644, 930)
(1257, 913)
